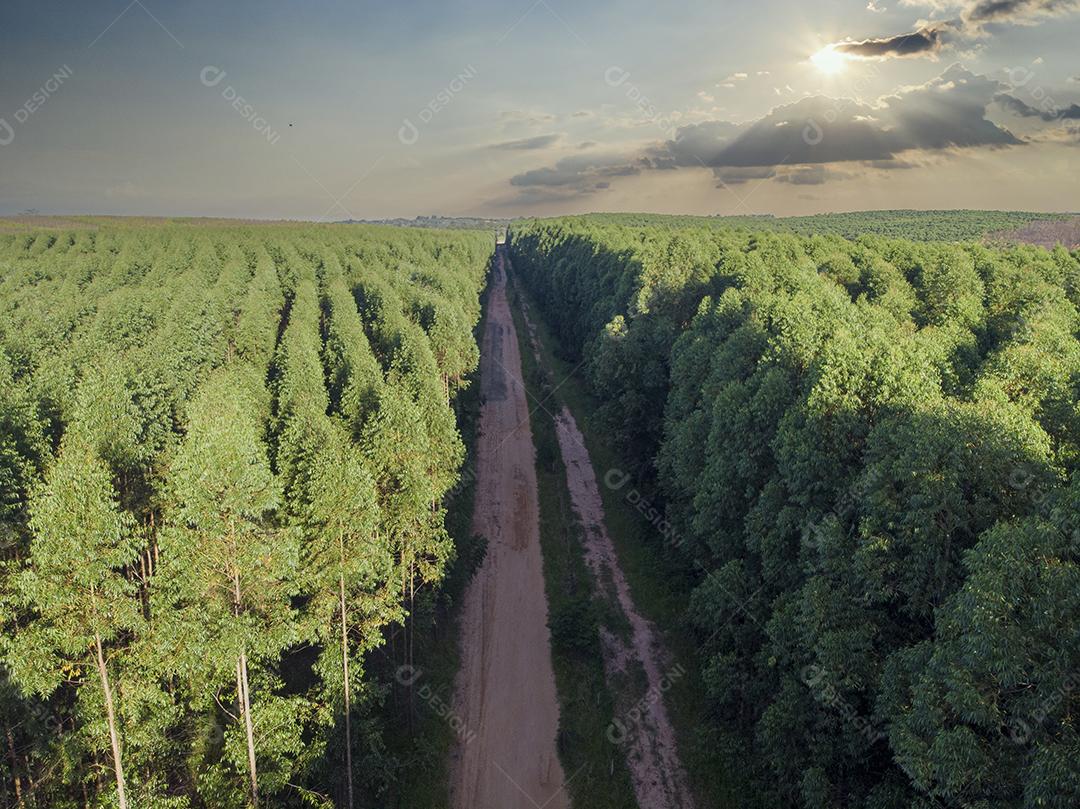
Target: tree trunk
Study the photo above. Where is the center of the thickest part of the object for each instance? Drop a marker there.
(14, 767)
(245, 709)
(244, 696)
(345, 674)
(113, 738)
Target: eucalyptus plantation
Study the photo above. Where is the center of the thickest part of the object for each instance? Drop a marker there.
(867, 455)
(200, 552)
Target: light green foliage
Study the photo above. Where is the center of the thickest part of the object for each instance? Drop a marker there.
(227, 568)
(75, 586)
(207, 437)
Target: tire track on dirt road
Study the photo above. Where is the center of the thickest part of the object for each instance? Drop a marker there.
(642, 726)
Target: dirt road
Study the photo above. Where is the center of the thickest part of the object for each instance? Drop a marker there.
(505, 691)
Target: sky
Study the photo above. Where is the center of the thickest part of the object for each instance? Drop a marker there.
(331, 110)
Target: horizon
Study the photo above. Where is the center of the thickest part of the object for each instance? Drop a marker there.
(419, 217)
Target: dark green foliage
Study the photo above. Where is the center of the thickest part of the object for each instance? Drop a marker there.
(864, 450)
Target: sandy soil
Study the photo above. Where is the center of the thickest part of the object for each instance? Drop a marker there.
(505, 691)
(643, 726)
(641, 721)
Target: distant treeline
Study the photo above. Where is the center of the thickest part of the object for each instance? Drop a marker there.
(868, 455)
(443, 222)
(923, 226)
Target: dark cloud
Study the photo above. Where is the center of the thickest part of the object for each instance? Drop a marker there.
(658, 160)
(946, 112)
(811, 175)
(527, 144)
(578, 173)
(1016, 11)
(700, 144)
(929, 40)
(1048, 113)
(925, 41)
(793, 133)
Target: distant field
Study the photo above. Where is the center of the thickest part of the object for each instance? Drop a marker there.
(1045, 234)
(62, 222)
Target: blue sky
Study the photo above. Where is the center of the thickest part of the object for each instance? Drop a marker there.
(364, 110)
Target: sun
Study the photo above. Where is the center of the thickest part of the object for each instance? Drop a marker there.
(829, 60)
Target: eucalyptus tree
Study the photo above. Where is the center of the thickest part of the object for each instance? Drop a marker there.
(350, 565)
(227, 567)
(81, 603)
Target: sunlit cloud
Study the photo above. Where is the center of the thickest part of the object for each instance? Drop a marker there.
(928, 39)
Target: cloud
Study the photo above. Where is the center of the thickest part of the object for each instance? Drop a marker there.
(946, 112)
(701, 144)
(1016, 12)
(811, 175)
(579, 173)
(976, 15)
(1050, 112)
(928, 40)
(527, 144)
(811, 136)
(893, 164)
(1067, 134)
